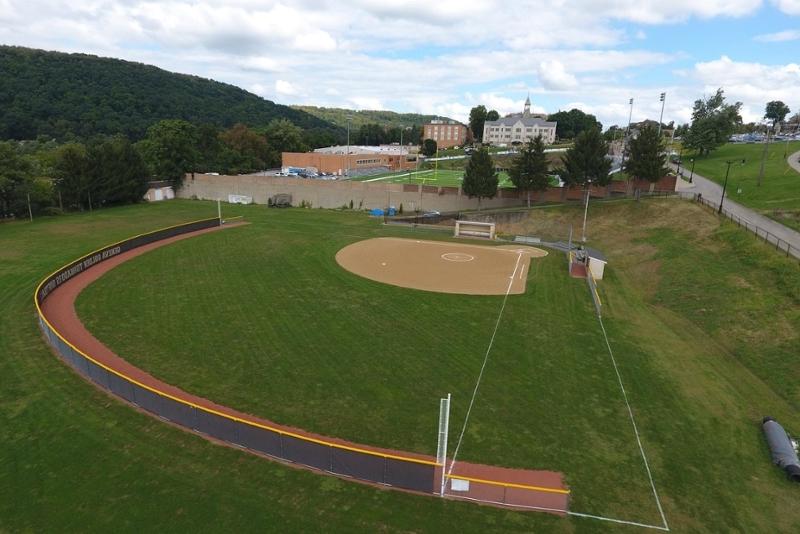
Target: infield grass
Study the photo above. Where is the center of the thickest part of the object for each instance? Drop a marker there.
(703, 320)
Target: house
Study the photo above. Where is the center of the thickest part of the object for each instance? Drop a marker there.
(519, 128)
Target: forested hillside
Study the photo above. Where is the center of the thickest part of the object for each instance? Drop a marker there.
(77, 95)
(386, 119)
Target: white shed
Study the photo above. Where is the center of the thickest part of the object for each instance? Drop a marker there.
(597, 263)
(159, 191)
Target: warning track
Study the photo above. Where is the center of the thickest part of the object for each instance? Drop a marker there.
(523, 489)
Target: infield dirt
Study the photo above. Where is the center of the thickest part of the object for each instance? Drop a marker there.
(439, 266)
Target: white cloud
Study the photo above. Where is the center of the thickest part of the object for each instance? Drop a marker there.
(790, 7)
(282, 87)
(755, 84)
(554, 76)
(778, 37)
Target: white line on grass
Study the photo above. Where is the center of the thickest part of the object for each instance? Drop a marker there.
(559, 510)
(485, 359)
(633, 423)
(389, 177)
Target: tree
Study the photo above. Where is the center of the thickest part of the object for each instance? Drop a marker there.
(646, 158)
(480, 178)
(429, 147)
(116, 172)
(15, 172)
(249, 150)
(477, 116)
(528, 170)
(170, 150)
(571, 123)
(492, 115)
(713, 122)
(586, 160)
(283, 136)
(71, 173)
(776, 111)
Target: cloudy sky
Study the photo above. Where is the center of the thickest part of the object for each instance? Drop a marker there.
(445, 56)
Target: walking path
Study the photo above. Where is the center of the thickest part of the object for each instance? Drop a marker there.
(711, 191)
(794, 161)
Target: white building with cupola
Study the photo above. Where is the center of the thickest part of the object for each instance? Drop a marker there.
(519, 128)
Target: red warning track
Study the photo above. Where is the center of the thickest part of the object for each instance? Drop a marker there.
(526, 489)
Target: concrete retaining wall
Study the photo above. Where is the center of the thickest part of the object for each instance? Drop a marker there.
(369, 195)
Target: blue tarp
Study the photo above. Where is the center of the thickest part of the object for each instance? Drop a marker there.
(377, 212)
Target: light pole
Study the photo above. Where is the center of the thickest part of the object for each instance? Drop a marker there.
(402, 156)
(627, 129)
(725, 185)
(586, 210)
(663, 99)
(347, 154)
(691, 175)
(763, 157)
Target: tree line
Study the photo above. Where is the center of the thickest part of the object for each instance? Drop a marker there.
(51, 177)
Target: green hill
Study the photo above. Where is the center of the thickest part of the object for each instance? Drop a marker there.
(387, 119)
(62, 95)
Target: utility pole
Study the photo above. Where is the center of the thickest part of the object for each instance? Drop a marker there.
(586, 210)
(763, 158)
(347, 155)
(725, 185)
(663, 99)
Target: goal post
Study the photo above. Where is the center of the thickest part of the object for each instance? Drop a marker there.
(484, 230)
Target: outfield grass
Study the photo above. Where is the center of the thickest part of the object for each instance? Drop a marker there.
(703, 319)
(778, 196)
(307, 344)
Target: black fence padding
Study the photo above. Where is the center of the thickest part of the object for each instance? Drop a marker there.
(359, 465)
(409, 475)
(177, 412)
(120, 387)
(98, 374)
(307, 453)
(260, 440)
(147, 400)
(216, 426)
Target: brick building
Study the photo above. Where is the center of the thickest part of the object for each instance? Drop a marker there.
(447, 134)
(342, 160)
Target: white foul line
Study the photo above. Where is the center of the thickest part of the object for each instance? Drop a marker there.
(635, 429)
(485, 359)
(560, 511)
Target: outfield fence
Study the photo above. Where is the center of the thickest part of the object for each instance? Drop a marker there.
(339, 458)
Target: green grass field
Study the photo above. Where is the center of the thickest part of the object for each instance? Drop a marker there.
(703, 319)
(778, 196)
(439, 177)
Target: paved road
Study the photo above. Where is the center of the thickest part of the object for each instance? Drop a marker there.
(713, 192)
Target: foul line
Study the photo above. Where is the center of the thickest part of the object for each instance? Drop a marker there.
(635, 429)
(485, 359)
(559, 511)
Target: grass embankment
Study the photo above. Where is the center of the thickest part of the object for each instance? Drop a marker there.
(778, 196)
(703, 321)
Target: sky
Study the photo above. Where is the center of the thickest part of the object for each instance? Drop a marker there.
(444, 57)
